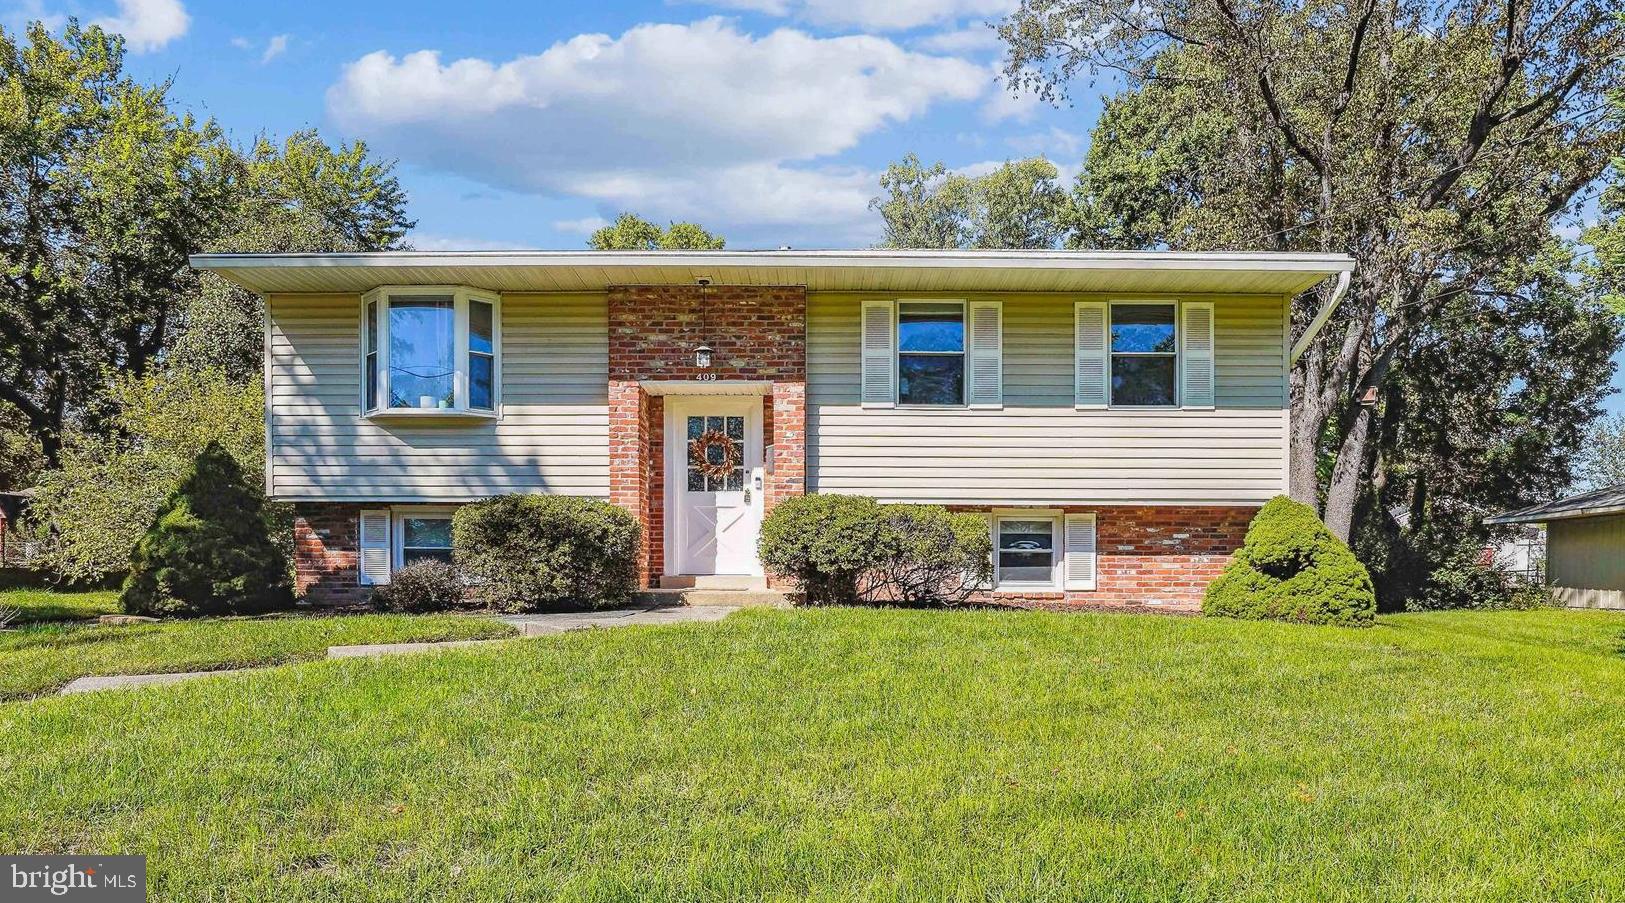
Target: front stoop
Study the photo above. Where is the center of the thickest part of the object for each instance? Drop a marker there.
(698, 596)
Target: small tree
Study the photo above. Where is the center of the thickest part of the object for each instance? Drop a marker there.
(1291, 568)
(208, 552)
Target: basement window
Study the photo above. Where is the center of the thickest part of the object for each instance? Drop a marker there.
(430, 351)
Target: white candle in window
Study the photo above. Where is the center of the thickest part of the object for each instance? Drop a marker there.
(425, 401)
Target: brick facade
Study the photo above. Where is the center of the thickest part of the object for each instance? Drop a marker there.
(1160, 556)
(756, 334)
(325, 547)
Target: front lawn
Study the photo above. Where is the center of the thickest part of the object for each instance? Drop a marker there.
(58, 605)
(41, 658)
(851, 754)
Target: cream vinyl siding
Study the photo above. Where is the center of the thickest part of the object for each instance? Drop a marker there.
(553, 435)
(1040, 449)
(1585, 561)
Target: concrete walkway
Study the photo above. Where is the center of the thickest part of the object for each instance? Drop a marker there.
(527, 625)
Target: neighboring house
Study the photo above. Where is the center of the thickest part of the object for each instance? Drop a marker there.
(15, 550)
(1119, 417)
(1585, 546)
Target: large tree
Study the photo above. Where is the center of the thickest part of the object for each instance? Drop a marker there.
(104, 191)
(1438, 144)
(302, 196)
(1020, 204)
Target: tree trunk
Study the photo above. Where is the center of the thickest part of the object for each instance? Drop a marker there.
(1348, 475)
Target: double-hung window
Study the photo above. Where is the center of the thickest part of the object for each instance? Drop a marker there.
(423, 536)
(1144, 356)
(430, 350)
(1026, 554)
(931, 352)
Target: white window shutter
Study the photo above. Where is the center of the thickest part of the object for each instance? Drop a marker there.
(373, 554)
(1089, 321)
(1196, 364)
(879, 355)
(1080, 551)
(986, 354)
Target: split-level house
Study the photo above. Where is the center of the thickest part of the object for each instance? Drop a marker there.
(1118, 417)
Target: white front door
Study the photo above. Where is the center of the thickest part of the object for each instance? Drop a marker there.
(713, 512)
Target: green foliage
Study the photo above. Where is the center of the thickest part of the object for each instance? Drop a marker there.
(1291, 568)
(109, 488)
(1465, 580)
(844, 549)
(108, 191)
(529, 552)
(631, 232)
(21, 456)
(1018, 205)
(208, 553)
(421, 587)
(1602, 458)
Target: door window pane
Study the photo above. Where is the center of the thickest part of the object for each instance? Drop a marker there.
(731, 426)
(1026, 551)
(422, 352)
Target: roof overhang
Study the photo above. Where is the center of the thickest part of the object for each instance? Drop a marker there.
(1270, 273)
(1600, 503)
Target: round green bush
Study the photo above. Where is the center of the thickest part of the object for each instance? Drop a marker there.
(208, 552)
(530, 552)
(844, 549)
(1291, 568)
(422, 586)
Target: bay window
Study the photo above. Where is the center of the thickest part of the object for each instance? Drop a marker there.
(430, 351)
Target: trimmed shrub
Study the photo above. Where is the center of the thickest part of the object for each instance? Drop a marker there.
(208, 552)
(851, 550)
(528, 552)
(422, 586)
(1291, 568)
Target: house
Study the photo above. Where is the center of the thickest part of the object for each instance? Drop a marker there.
(1585, 546)
(1118, 416)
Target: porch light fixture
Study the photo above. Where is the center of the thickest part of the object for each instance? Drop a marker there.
(702, 357)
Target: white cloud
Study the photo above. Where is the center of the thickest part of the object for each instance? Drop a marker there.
(696, 120)
(586, 225)
(1020, 105)
(241, 43)
(148, 25)
(872, 15)
(974, 39)
(432, 241)
(274, 48)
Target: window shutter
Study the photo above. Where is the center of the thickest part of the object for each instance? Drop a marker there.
(1080, 551)
(1089, 320)
(986, 354)
(879, 363)
(373, 556)
(1196, 364)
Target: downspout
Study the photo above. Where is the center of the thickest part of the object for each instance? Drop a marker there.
(1319, 322)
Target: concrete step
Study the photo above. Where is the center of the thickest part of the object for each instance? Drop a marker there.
(714, 581)
(729, 597)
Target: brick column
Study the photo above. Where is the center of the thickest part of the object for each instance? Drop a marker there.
(628, 459)
(787, 432)
(325, 562)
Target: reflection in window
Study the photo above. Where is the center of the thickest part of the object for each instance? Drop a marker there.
(1026, 551)
(422, 352)
(930, 353)
(425, 538)
(1144, 351)
(733, 427)
(481, 356)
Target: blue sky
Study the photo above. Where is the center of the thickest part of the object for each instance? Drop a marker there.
(766, 120)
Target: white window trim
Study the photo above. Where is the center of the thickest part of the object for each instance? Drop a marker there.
(1178, 353)
(1057, 579)
(461, 296)
(397, 528)
(897, 353)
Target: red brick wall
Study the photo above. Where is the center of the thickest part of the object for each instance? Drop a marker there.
(1163, 556)
(755, 334)
(324, 553)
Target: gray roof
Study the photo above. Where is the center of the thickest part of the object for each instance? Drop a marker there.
(1589, 504)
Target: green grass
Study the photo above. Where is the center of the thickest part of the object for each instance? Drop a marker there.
(56, 605)
(872, 755)
(40, 658)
